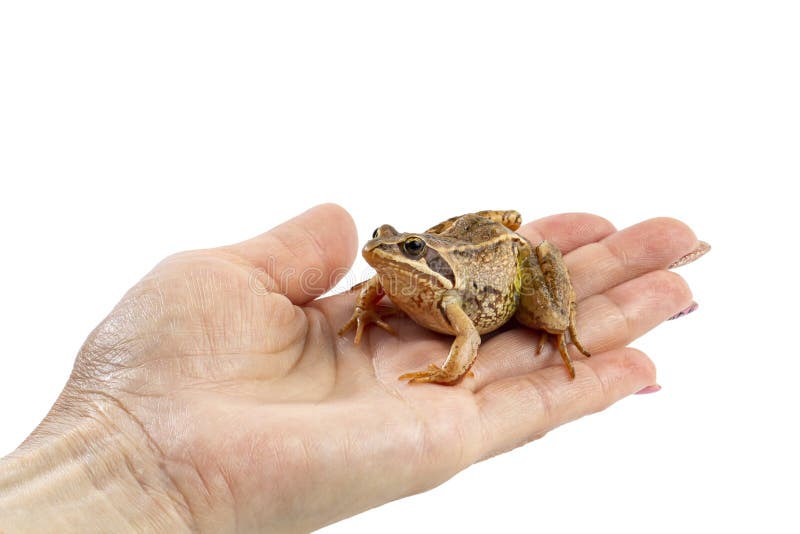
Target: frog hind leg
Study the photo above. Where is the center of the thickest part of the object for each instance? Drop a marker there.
(573, 332)
(547, 300)
(509, 218)
(562, 348)
(462, 352)
(542, 340)
(366, 310)
(561, 343)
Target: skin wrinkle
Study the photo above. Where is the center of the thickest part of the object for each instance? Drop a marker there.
(299, 351)
(312, 318)
(601, 384)
(544, 399)
(206, 327)
(287, 467)
(589, 279)
(146, 489)
(108, 347)
(287, 249)
(615, 312)
(229, 488)
(661, 239)
(182, 504)
(189, 506)
(422, 452)
(323, 389)
(577, 229)
(465, 457)
(457, 460)
(483, 427)
(370, 344)
(321, 252)
(619, 253)
(675, 285)
(385, 387)
(523, 388)
(352, 458)
(244, 266)
(209, 488)
(416, 413)
(591, 232)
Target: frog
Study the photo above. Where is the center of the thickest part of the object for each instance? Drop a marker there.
(468, 276)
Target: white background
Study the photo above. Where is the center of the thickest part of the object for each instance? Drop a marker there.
(132, 130)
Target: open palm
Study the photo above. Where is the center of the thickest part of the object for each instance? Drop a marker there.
(264, 418)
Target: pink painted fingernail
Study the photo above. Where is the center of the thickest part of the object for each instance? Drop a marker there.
(649, 389)
(686, 311)
(701, 250)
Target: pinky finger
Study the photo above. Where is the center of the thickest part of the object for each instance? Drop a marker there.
(516, 410)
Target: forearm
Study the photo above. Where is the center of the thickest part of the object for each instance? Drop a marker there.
(79, 474)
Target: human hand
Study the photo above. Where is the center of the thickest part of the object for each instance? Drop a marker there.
(217, 395)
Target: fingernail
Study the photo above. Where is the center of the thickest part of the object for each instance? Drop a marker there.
(686, 311)
(701, 250)
(649, 389)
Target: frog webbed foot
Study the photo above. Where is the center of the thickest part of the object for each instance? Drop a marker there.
(547, 301)
(365, 316)
(462, 351)
(367, 310)
(433, 373)
(561, 343)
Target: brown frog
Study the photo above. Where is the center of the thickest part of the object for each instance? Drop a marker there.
(467, 276)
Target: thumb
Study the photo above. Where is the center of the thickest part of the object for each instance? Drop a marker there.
(305, 256)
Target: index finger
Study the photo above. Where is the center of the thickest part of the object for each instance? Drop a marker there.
(568, 231)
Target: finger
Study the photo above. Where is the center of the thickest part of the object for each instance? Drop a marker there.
(568, 231)
(608, 321)
(517, 410)
(624, 255)
(624, 313)
(304, 256)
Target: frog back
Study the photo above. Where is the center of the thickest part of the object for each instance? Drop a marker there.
(487, 277)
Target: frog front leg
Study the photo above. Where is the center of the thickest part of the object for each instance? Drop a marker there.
(547, 300)
(366, 311)
(462, 351)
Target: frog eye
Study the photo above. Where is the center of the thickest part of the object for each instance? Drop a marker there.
(376, 233)
(413, 247)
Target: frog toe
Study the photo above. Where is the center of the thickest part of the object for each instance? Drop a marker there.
(362, 318)
(433, 374)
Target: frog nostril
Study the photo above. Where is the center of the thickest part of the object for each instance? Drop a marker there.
(370, 246)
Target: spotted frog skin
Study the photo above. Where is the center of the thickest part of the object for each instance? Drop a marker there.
(465, 277)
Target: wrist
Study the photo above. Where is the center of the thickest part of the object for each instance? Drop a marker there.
(88, 467)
